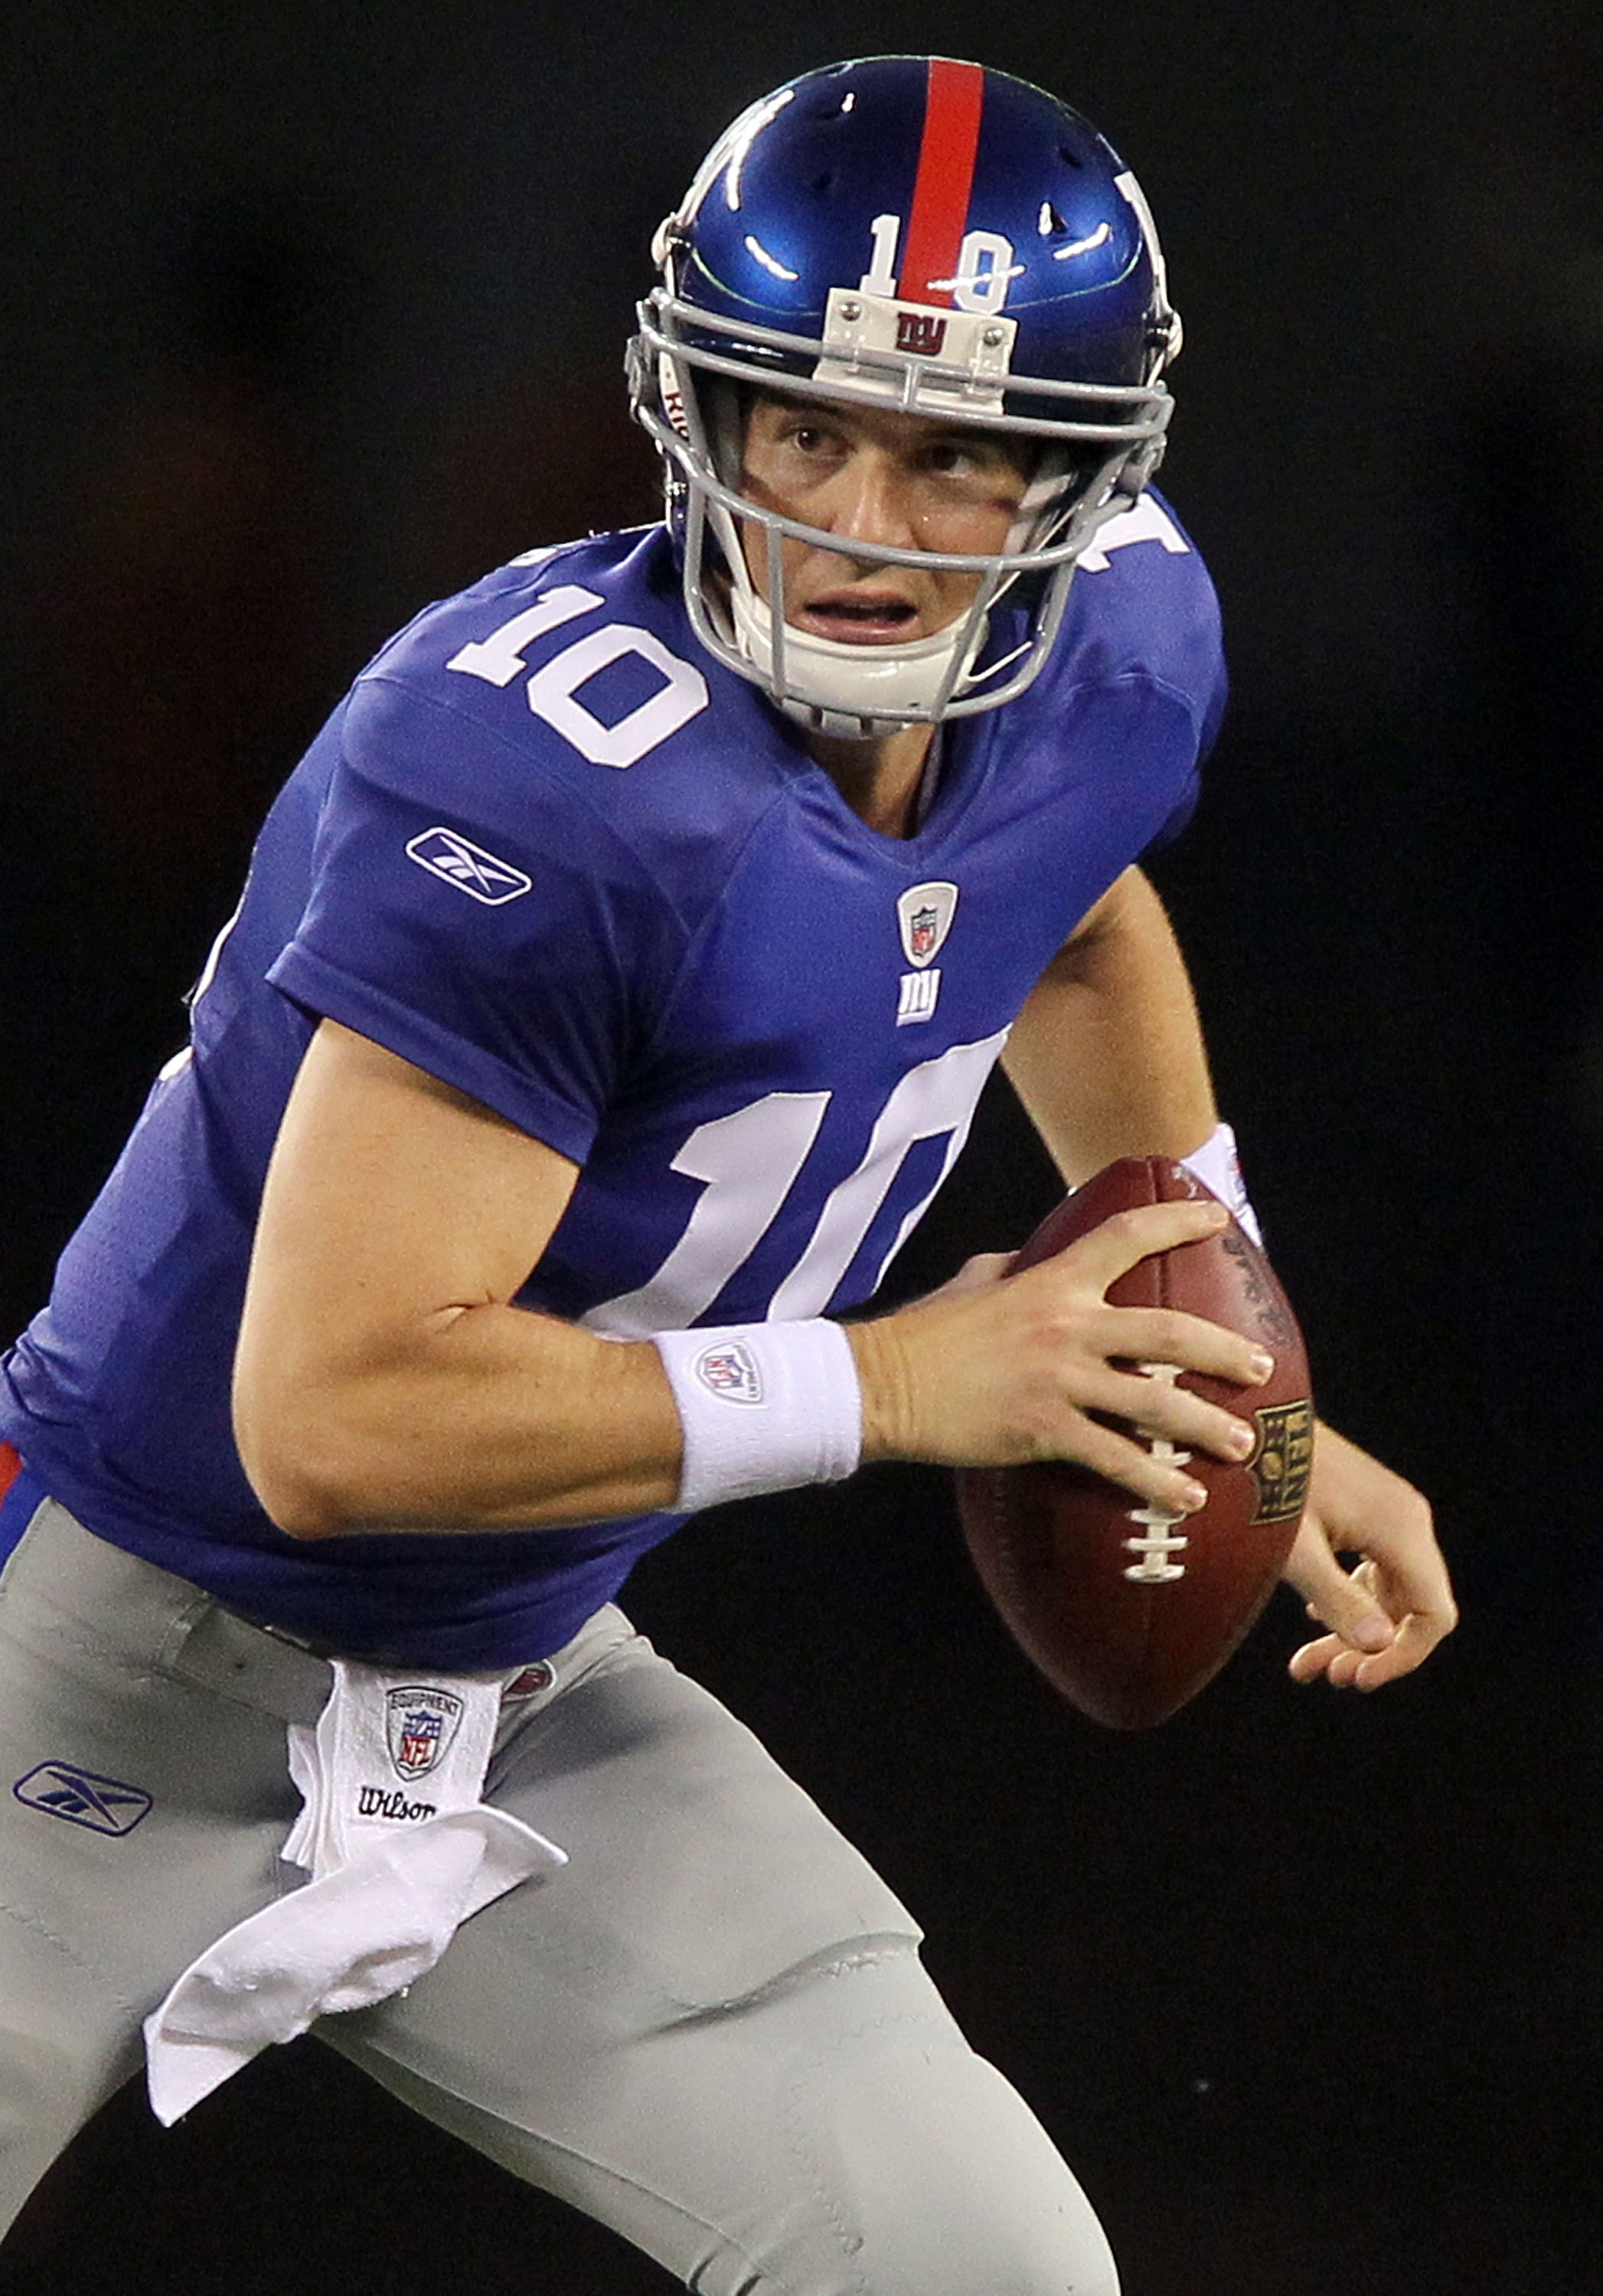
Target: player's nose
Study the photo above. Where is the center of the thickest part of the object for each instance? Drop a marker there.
(871, 500)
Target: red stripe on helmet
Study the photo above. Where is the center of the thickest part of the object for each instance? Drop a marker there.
(945, 179)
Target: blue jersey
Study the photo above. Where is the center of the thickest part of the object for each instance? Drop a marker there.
(550, 852)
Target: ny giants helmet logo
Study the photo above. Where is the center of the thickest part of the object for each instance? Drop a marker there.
(920, 332)
(420, 1723)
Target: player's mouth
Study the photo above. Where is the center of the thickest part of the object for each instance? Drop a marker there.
(859, 618)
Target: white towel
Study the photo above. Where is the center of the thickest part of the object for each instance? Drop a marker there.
(401, 1851)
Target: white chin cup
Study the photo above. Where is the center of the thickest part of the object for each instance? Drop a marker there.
(857, 681)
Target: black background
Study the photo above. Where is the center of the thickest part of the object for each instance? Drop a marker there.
(312, 316)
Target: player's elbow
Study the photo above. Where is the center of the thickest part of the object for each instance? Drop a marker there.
(301, 1471)
(303, 1505)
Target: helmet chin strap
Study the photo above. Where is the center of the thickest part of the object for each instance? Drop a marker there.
(834, 686)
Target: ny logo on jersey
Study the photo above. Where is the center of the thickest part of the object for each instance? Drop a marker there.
(916, 995)
(446, 853)
(420, 1722)
(83, 1797)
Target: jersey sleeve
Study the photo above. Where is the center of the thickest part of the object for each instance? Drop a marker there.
(1159, 590)
(1209, 690)
(470, 913)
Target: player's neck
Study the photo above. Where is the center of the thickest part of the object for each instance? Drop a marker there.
(880, 780)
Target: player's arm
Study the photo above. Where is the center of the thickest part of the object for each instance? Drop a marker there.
(383, 1376)
(1107, 1056)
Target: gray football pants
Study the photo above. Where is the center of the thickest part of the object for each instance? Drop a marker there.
(710, 2030)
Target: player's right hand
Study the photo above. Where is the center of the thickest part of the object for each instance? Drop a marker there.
(996, 1370)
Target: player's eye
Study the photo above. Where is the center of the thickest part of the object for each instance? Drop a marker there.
(967, 457)
(972, 466)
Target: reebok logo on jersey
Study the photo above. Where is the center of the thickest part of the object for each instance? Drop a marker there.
(446, 853)
(729, 1371)
(83, 1797)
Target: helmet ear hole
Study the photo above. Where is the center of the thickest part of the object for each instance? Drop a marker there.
(727, 403)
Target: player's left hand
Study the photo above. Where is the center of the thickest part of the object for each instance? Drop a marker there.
(1387, 1614)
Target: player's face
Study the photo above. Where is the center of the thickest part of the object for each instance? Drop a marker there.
(875, 475)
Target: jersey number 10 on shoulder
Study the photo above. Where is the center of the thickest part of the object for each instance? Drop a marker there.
(553, 689)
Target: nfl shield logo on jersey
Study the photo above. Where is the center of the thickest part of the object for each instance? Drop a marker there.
(420, 1723)
(924, 914)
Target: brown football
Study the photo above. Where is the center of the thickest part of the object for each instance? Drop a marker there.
(1128, 1612)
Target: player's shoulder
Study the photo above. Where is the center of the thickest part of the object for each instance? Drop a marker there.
(488, 634)
(1173, 556)
(565, 699)
(1142, 604)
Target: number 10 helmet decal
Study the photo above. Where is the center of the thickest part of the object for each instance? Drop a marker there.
(923, 234)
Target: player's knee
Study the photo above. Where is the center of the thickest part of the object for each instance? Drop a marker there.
(942, 2181)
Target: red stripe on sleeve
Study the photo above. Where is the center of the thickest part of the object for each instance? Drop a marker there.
(11, 1467)
(945, 179)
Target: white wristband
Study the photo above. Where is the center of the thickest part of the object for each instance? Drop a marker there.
(1218, 1167)
(764, 1406)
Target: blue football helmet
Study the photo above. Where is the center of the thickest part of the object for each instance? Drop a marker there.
(925, 234)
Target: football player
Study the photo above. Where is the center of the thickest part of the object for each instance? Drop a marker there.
(612, 987)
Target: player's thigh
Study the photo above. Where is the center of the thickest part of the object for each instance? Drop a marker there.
(712, 2031)
(835, 2139)
(139, 1818)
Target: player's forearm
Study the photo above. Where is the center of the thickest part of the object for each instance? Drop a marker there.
(481, 1418)
(1107, 1055)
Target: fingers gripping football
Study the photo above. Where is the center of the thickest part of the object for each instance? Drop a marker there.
(993, 1373)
